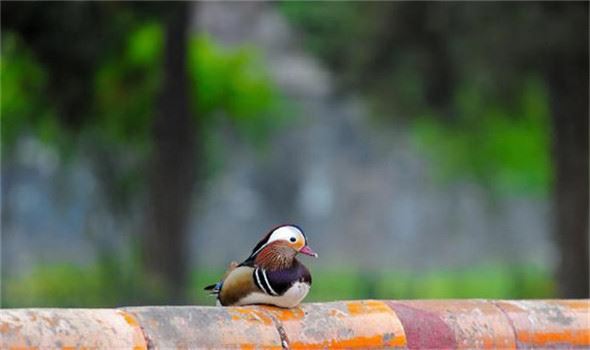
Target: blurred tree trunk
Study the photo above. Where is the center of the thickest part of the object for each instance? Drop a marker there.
(165, 250)
(567, 74)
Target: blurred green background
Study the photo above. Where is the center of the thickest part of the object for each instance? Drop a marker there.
(429, 150)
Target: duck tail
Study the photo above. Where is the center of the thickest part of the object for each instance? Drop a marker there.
(214, 288)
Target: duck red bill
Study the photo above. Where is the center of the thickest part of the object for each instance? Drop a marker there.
(308, 251)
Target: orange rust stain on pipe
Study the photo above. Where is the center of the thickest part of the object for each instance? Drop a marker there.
(257, 346)
(4, 327)
(285, 314)
(548, 323)
(129, 319)
(576, 304)
(238, 314)
(571, 337)
(353, 324)
(375, 342)
(490, 343)
(139, 342)
(488, 339)
(361, 308)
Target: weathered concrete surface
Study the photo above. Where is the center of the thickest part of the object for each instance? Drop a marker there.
(458, 324)
(359, 324)
(69, 328)
(176, 327)
(549, 323)
(363, 324)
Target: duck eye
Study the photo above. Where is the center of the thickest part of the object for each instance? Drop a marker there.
(292, 239)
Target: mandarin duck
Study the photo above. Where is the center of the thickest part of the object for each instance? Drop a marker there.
(271, 274)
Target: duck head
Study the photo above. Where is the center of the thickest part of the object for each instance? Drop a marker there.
(279, 247)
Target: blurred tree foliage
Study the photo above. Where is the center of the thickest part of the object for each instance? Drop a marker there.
(494, 91)
(118, 83)
(227, 83)
(506, 149)
(428, 62)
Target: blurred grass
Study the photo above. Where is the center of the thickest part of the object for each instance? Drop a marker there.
(505, 148)
(105, 285)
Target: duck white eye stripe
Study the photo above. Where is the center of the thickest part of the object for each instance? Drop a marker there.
(259, 249)
(268, 284)
(281, 233)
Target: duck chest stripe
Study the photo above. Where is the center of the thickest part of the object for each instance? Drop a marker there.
(272, 291)
(259, 282)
